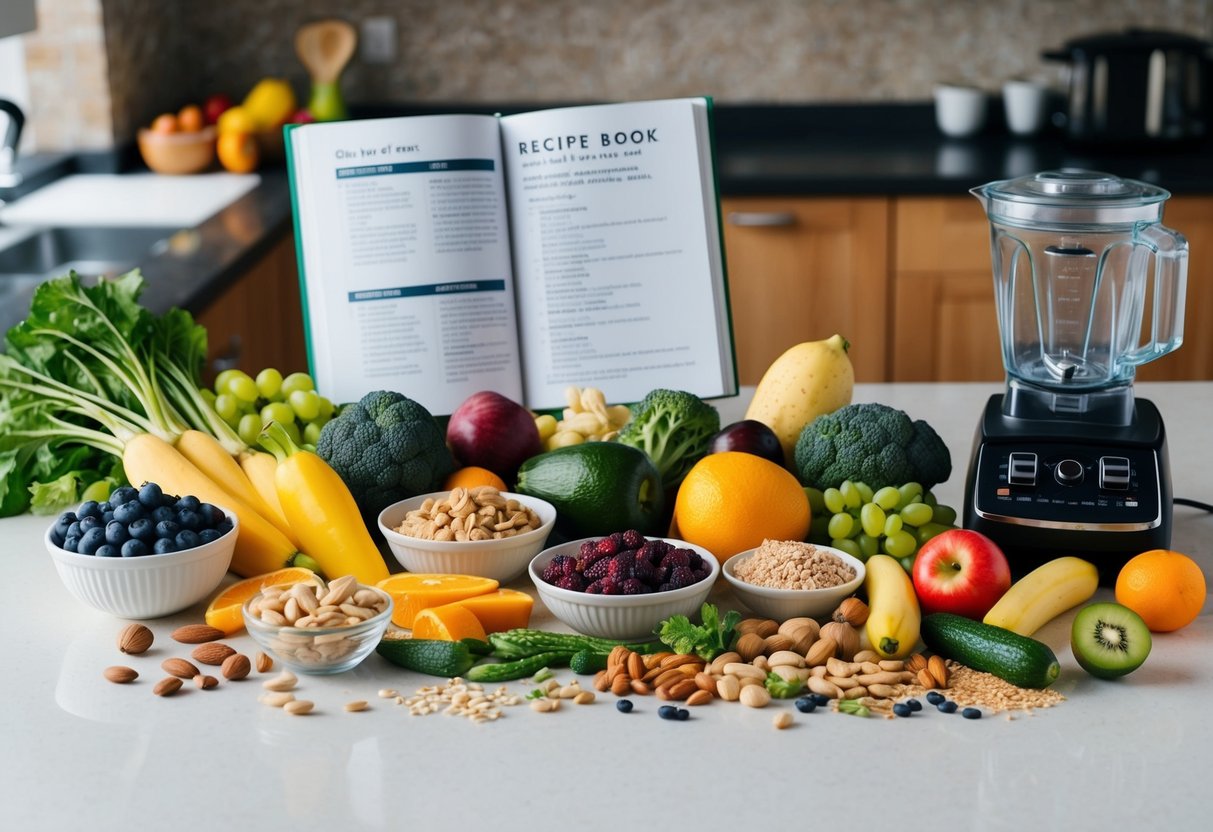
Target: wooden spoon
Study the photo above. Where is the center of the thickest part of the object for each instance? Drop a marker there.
(324, 48)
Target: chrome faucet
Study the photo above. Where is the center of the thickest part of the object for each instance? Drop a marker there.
(8, 150)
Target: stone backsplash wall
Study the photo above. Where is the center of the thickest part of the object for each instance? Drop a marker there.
(159, 54)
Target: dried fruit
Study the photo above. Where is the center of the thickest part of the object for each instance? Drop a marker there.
(236, 666)
(180, 668)
(197, 634)
(135, 639)
(120, 675)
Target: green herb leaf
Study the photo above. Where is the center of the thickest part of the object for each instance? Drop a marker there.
(782, 688)
(707, 640)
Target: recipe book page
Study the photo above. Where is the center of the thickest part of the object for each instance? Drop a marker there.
(618, 263)
(404, 257)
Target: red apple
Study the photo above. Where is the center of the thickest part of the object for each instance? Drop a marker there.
(215, 106)
(493, 432)
(961, 572)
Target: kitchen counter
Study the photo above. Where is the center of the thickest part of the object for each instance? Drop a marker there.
(80, 751)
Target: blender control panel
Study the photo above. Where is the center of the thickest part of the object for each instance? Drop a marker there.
(1069, 485)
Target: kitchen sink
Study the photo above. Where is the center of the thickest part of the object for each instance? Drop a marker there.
(36, 254)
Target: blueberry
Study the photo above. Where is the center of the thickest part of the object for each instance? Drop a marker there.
(682, 714)
(667, 712)
(107, 550)
(211, 515)
(947, 706)
(914, 704)
(142, 529)
(902, 709)
(106, 506)
(209, 535)
(189, 501)
(805, 705)
(91, 540)
(935, 697)
(73, 530)
(71, 542)
(971, 713)
(107, 516)
(224, 526)
(150, 494)
(820, 698)
(162, 513)
(115, 533)
(168, 500)
(187, 539)
(64, 520)
(89, 508)
(123, 495)
(167, 528)
(134, 548)
(164, 546)
(189, 519)
(89, 522)
(130, 512)
(624, 706)
(57, 537)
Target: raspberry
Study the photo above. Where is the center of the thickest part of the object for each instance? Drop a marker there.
(554, 571)
(573, 582)
(681, 576)
(633, 586)
(607, 546)
(633, 539)
(623, 566)
(588, 548)
(598, 569)
(609, 586)
(693, 558)
(584, 561)
(676, 557)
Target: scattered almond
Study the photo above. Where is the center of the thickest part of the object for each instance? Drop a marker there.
(212, 653)
(750, 645)
(135, 639)
(916, 662)
(167, 686)
(276, 699)
(180, 668)
(782, 720)
(263, 662)
(197, 634)
(205, 682)
(357, 705)
(926, 679)
(298, 707)
(284, 681)
(235, 667)
(700, 697)
(120, 675)
(938, 670)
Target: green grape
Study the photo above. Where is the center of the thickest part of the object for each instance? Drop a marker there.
(311, 433)
(907, 563)
(908, 492)
(865, 491)
(305, 403)
(297, 381)
(928, 530)
(850, 494)
(900, 543)
(892, 524)
(243, 388)
(817, 501)
(929, 499)
(228, 408)
(278, 412)
(269, 383)
(326, 409)
(841, 525)
(848, 546)
(247, 407)
(868, 545)
(915, 514)
(944, 515)
(249, 428)
(832, 497)
(887, 498)
(222, 379)
(873, 519)
(819, 528)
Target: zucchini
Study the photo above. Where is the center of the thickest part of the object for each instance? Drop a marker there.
(520, 643)
(518, 668)
(585, 662)
(430, 656)
(1022, 661)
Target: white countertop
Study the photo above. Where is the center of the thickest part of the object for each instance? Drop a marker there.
(78, 751)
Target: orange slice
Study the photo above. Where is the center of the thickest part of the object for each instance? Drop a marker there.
(451, 622)
(505, 609)
(224, 610)
(413, 592)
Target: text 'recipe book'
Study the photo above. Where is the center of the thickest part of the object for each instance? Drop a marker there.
(443, 255)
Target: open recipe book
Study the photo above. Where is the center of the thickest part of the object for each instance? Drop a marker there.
(443, 255)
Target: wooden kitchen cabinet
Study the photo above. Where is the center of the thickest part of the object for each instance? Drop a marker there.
(257, 322)
(802, 269)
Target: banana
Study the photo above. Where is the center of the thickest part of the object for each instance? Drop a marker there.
(1043, 594)
(894, 619)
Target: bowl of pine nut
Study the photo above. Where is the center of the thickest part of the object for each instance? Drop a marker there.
(468, 531)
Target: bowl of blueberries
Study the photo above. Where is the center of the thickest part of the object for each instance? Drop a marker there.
(142, 553)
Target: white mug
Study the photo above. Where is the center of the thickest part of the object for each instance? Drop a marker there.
(1024, 102)
(959, 110)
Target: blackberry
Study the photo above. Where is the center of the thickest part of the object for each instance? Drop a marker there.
(588, 547)
(554, 571)
(609, 586)
(573, 582)
(643, 570)
(634, 586)
(623, 566)
(586, 562)
(677, 557)
(633, 539)
(661, 574)
(618, 538)
(598, 569)
(666, 587)
(607, 546)
(681, 576)
(651, 552)
(693, 558)
(595, 588)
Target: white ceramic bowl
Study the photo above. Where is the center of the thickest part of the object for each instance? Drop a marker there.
(319, 651)
(503, 559)
(782, 604)
(630, 617)
(150, 586)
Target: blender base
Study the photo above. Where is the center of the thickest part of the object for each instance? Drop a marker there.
(1042, 488)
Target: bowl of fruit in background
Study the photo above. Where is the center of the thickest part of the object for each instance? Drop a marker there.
(142, 553)
(178, 143)
(624, 585)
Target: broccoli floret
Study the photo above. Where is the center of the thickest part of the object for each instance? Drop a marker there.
(674, 428)
(386, 448)
(871, 443)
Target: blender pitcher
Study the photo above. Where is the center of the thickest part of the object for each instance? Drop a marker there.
(1072, 254)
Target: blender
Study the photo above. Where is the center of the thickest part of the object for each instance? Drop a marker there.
(1068, 460)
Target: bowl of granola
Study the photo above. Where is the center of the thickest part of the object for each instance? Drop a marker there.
(784, 579)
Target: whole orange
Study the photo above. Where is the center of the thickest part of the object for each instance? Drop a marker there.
(190, 119)
(471, 476)
(1167, 589)
(238, 152)
(731, 501)
(164, 124)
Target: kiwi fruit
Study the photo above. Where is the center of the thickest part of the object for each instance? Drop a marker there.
(1109, 640)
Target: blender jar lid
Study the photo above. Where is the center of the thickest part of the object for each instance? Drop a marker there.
(1073, 197)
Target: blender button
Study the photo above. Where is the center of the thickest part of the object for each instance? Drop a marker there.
(1114, 472)
(1021, 468)
(1068, 472)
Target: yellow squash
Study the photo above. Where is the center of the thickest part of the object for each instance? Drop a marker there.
(1043, 594)
(259, 467)
(894, 618)
(209, 457)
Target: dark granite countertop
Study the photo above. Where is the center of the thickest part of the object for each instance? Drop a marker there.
(762, 150)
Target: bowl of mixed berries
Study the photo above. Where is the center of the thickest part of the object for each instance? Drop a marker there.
(623, 585)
